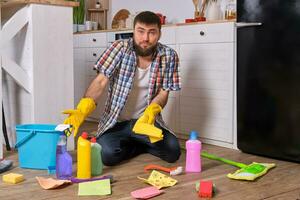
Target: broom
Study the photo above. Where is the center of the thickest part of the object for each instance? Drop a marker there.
(246, 172)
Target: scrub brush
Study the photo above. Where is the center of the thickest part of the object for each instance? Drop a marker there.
(173, 170)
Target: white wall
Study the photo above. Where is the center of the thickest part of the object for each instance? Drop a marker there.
(175, 10)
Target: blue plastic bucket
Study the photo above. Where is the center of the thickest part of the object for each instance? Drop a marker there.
(36, 144)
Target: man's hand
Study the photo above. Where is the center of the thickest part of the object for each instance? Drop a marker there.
(145, 124)
(78, 115)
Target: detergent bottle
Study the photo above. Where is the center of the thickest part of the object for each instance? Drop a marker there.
(193, 148)
(63, 159)
(83, 156)
(96, 160)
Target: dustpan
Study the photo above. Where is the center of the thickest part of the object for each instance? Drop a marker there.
(246, 172)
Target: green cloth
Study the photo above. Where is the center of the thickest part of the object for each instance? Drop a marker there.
(101, 187)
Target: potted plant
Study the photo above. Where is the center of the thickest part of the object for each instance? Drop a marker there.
(79, 16)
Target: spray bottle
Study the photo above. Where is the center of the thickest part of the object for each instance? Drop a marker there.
(96, 160)
(63, 159)
(193, 149)
(83, 156)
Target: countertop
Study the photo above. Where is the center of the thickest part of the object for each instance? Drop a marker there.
(166, 25)
(10, 3)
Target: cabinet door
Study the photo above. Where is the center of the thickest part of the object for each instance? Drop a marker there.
(91, 74)
(170, 112)
(93, 54)
(205, 33)
(79, 74)
(95, 40)
(167, 35)
(206, 98)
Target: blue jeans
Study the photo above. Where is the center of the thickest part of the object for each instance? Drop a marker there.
(120, 143)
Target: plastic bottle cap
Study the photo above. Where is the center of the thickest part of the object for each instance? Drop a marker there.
(193, 135)
(84, 135)
(93, 140)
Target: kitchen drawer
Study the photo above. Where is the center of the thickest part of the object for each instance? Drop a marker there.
(78, 40)
(79, 54)
(89, 40)
(168, 35)
(96, 40)
(93, 54)
(206, 33)
(90, 71)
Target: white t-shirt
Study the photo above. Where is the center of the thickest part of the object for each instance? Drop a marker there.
(137, 99)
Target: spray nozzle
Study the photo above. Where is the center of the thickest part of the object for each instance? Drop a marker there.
(193, 135)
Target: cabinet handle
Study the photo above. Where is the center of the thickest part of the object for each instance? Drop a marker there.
(202, 33)
(94, 40)
(94, 54)
(247, 24)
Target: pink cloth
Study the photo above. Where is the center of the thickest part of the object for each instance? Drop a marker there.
(146, 193)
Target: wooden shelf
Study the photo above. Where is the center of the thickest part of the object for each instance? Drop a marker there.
(98, 15)
(97, 10)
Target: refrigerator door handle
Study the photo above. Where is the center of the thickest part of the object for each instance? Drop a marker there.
(247, 24)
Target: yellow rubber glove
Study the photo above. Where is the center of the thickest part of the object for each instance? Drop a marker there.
(77, 116)
(145, 124)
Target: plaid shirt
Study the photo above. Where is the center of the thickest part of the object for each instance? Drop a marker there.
(119, 63)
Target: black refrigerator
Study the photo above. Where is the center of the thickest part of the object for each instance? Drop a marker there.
(268, 78)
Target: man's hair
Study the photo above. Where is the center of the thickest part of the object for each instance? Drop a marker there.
(148, 18)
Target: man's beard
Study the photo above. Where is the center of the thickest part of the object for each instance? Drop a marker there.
(144, 52)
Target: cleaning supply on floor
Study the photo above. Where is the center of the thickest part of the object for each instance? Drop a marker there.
(81, 180)
(246, 172)
(50, 183)
(63, 159)
(159, 180)
(193, 149)
(173, 170)
(146, 193)
(205, 189)
(96, 160)
(145, 124)
(66, 128)
(197, 186)
(83, 156)
(100, 187)
(5, 165)
(40, 139)
(13, 178)
(51, 170)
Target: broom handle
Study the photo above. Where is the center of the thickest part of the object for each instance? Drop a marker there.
(230, 162)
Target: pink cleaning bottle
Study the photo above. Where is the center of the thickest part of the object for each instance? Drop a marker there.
(193, 149)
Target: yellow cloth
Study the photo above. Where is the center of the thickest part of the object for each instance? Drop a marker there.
(145, 124)
(77, 116)
(159, 180)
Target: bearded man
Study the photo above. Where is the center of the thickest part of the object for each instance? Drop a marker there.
(140, 72)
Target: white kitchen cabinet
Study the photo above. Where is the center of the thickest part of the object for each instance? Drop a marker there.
(207, 63)
(168, 36)
(87, 49)
(36, 64)
(170, 111)
(207, 66)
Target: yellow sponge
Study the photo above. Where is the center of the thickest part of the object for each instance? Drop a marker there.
(155, 134)
(13, 178)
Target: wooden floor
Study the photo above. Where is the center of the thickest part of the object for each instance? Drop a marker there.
(282, 182)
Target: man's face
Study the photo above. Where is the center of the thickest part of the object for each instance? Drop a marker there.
(145, 38)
